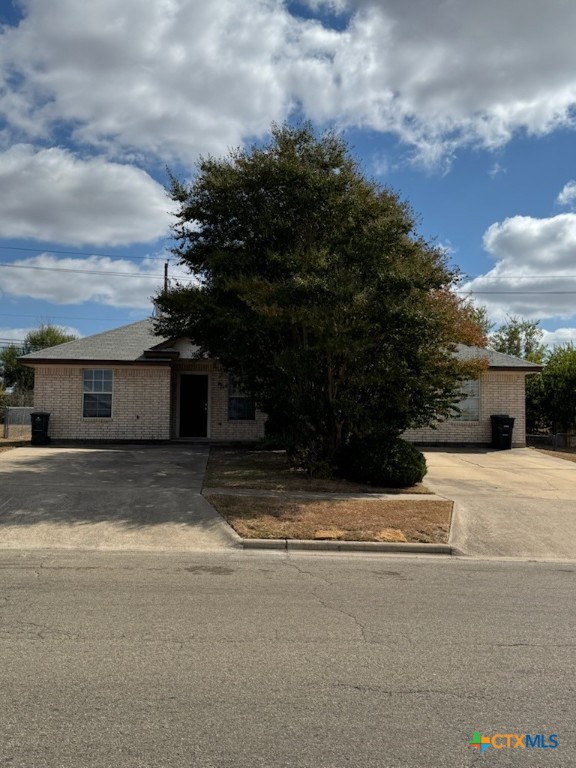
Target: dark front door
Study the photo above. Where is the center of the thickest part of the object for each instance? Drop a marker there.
(193, 405)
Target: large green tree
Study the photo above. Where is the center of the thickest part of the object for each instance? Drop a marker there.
(19, 376)
(313, 286)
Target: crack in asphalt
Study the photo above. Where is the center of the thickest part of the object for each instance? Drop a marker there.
(42, 631)
(530, 645)
(322, 601)
(303, 572)
(341, 611)
(325, 604)
(407, 691)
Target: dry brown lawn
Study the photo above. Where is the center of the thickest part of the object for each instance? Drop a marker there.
(339, 519)
(270, 471)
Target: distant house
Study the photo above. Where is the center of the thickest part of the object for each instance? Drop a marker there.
(128, 384)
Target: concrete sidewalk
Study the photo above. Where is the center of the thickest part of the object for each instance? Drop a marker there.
(108, 498)
(518, 503)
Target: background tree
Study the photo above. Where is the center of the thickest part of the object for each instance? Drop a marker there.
(557, 390)
(17, 375)
(314, 288)
(480, 316)
(537, 411)
(520, 338)
(14, 374)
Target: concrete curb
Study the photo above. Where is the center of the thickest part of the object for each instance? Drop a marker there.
(348, 546)
(235, 539)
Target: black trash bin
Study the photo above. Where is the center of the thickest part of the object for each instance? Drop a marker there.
(40, 427)
(502, 428)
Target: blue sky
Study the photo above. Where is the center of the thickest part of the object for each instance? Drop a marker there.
(467, 109)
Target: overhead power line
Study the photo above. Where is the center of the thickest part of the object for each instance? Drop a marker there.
(520, 277)
(118, 257)
(81, 253)
(516, 293)
(89, 271)
(133, 275)
(50, 316)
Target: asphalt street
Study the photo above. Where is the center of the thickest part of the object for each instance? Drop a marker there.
(270, 660)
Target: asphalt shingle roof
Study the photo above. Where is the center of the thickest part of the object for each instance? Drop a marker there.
(495, 359)
(127, 343)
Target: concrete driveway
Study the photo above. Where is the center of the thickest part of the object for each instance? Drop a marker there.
(518, 503)
(110, 497)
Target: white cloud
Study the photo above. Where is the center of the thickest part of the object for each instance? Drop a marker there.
(112, 282)
(380, 165)
(168, 77)
(52, 195)
(496, 170)
(14, 334)
(178, 77)
(541, 251)
(559, 336)
(567, 195)
(332, 6)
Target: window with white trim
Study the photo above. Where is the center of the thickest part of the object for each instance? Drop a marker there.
(97, 393)
(470, 403)
(241, 405)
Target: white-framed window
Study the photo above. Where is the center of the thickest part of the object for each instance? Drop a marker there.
(241, 406)
(97, 393)
(470, 403)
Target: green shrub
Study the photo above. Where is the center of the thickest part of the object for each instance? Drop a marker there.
(382, 460)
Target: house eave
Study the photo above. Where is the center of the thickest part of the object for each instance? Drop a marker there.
(517, 368)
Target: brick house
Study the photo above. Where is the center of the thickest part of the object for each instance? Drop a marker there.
(128, 384)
